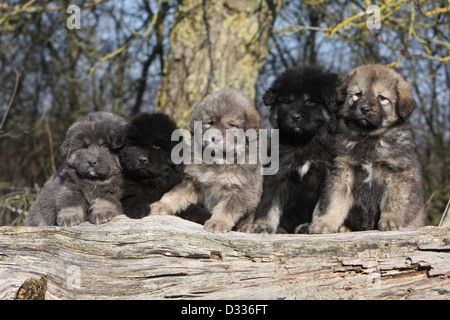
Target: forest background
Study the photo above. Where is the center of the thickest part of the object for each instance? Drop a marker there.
(61, 59)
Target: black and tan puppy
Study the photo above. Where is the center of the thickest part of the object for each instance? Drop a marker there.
(88, 185)
(302, 107)
(230, 191)
(376, 182)
(148, 170)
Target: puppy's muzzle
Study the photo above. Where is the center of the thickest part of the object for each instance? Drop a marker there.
(216, 139)
(143, 160)
(365, 110)
(296, 117)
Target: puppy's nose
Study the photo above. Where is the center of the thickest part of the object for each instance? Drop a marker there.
(92, 162)
(143, 160)
(296, 117)
(365, 110)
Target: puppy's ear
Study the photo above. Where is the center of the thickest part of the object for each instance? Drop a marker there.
(270, 97)
(343, 85)
(115, 134)
(405, 103)
(342, 90)
(116, 140)
(65, 148)
(194, 122)
(198, 113)
(253, 120)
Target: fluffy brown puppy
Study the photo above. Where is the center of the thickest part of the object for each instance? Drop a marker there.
(230, 191)
(376, 182)
(88, 185)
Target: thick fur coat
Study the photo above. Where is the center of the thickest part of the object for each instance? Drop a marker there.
(376, 182)
(232, 191)
(148, 169)
(302, 105)
(88, 185)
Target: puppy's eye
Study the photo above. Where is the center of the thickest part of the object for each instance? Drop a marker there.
(356, 96)
(85, 146)
(156, 146)
(285, 100)
(105, 147)
(211, 123)
(231, 125)
(383, 99)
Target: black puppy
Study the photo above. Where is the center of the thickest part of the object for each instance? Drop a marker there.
(303, 103)
(147, 167)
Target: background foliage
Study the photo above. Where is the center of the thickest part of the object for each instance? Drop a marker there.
(121, 58)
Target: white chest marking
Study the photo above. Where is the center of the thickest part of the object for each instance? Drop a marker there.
(368, 166)
(304, 169)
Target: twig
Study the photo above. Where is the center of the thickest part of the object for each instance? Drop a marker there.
(50, 142)
(444, 214)
(16, 210)
(10, 100)
(426, 205)
(381, 40)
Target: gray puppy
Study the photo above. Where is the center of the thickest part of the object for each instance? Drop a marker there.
(88, 184)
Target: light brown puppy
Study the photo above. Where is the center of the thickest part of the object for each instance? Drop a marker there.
(376, 182)
(230, 191)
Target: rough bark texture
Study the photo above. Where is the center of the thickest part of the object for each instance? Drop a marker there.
(165, 257)
(213, 45)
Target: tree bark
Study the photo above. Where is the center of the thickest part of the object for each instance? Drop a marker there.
(165, 257)
(213, 45)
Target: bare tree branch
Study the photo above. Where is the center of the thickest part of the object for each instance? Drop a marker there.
(5, 115)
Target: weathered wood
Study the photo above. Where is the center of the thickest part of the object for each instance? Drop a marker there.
(162, 257)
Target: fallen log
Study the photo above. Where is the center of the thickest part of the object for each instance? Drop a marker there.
(165, 257)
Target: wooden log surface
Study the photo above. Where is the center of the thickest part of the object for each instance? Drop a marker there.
(165, 257)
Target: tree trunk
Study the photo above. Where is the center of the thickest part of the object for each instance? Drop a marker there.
(165, 257)
(213, 45)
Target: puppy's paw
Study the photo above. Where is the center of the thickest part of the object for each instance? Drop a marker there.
(344, 228)
(322, 226)
(390, 221)
(159, 208)
(263, 227)
(247, 228)
(302, 228)
(135, 208)
(69, 217)
(215, 225)
(102, 211)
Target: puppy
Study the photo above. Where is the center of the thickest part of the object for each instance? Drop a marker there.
(302, 107)
(147, 167)
(230, 191)
(88, 185)
(376, 182)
